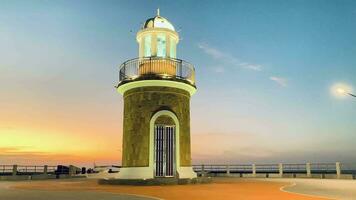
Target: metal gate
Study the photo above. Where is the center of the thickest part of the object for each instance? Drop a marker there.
(164, 150)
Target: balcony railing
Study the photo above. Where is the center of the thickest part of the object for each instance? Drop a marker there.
(157, 68)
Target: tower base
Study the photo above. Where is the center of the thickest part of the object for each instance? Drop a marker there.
(156, 181)
(141, 173)
(186, 172)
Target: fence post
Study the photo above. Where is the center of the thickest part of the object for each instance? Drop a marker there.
(45, 169)
(228, 170)
(202, 170)
(14, 170)
(308, 168)
(338, 169)
(280, 169)
(254, 170)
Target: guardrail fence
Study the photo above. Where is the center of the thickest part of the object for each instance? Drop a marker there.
(307, 170)
(32, 170)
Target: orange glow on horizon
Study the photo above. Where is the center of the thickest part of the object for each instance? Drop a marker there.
(48, 146)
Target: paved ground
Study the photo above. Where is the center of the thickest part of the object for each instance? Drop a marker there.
(8, 193)
(221, 188)
(331, 188)
(86, 189)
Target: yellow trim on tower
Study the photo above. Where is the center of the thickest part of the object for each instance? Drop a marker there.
(161, 83)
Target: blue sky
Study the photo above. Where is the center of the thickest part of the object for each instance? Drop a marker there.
(264, 70)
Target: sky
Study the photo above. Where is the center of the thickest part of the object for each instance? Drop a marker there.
(264, 70)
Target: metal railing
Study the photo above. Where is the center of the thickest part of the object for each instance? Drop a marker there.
(326, 168)
(309, 169)
(266, 168)
(220, 168)
(157, 68)
(27, 169)
(295, 168)
(30, 169)
(285, 168)
(6, 169)
(348, 168)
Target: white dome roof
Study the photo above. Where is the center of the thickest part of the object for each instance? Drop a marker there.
(158, 22)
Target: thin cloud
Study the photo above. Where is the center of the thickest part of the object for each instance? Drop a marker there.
(11, 150)
(219, 69)
(227, 58)
(251, 66)
(20, 155)
(279, 80)
(215, 53)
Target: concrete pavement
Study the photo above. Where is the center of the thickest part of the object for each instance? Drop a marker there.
(7, 193)
(329, 188)
(221, 188)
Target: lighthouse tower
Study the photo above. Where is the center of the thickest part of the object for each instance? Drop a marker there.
(156, 88)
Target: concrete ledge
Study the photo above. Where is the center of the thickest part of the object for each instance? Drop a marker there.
(248, 176)
(261, 175)
(236, 175)
(38, 177)
(330, 176)
(302, 176)
(227, 175)
(274, 176)
(43, 177)
(63, 176)
(342, 176)
(155, 181)
(15, 178)
(316, 176)
(346, 176)
(254, 175)
(288, 176)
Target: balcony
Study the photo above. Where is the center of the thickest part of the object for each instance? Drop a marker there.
(157, 68)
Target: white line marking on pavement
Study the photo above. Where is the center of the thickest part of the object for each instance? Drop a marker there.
(294, 184)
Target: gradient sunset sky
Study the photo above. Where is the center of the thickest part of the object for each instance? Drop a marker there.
(264, 71)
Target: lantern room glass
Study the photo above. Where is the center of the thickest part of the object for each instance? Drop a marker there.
(161, 45)
(147, 46)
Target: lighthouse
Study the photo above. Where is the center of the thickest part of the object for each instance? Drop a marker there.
(156, 88)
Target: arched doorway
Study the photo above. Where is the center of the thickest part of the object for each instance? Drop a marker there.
(164, 147)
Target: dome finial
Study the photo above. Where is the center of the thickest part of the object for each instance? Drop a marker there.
(157, 11)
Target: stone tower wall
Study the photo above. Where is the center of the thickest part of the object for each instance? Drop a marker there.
(140, 104)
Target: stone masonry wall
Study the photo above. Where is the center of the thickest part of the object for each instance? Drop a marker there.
(140, 104)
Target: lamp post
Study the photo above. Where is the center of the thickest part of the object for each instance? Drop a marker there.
(351, 94)
(344, 92)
